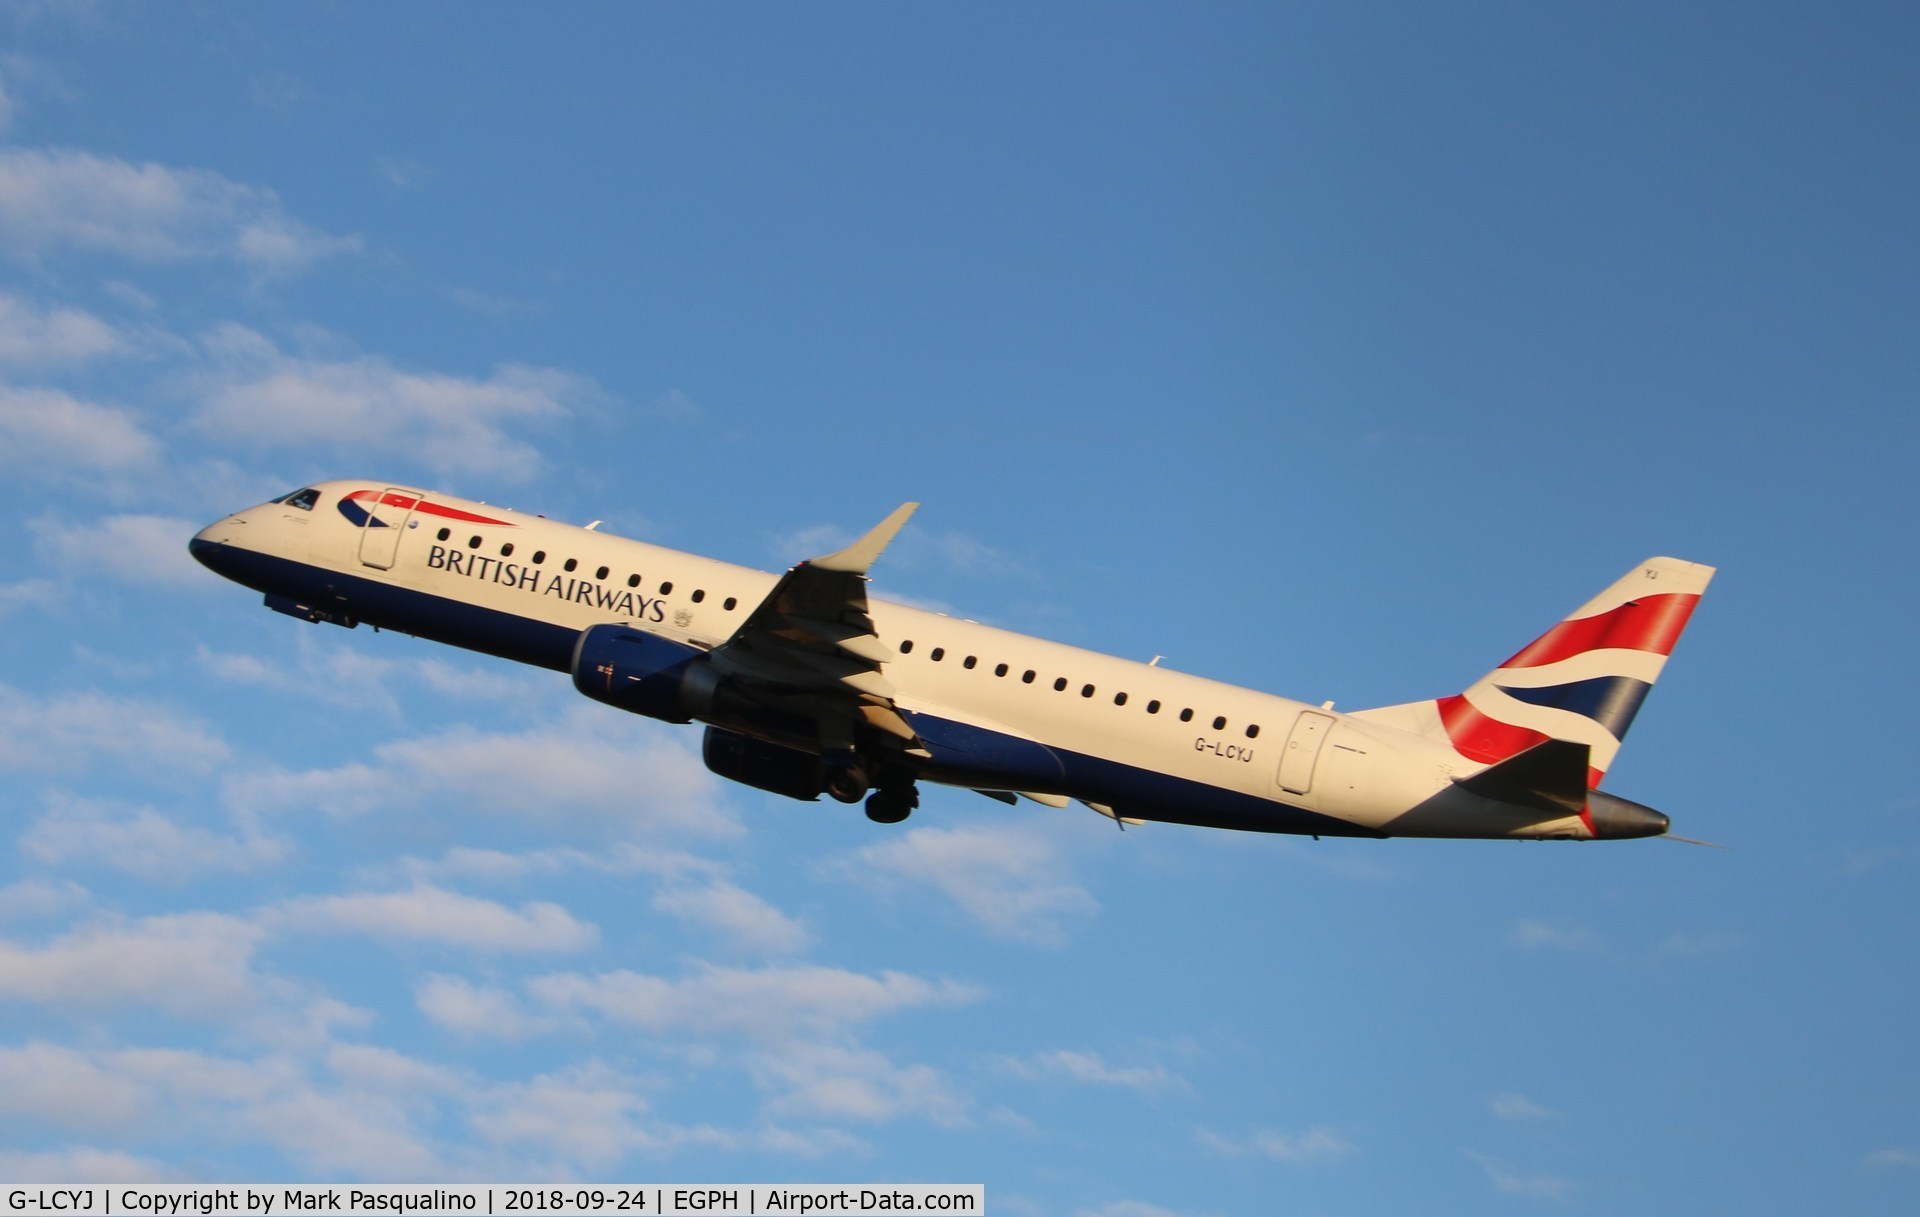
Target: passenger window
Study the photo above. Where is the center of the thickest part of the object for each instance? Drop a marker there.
(1086, 690)
(473, 542)
(1186, 716)
(1220, 724)
(601, 573)
(937, 654)
(666, 588)
(1153, 707)
(1000, 669)
(1026, 677)
(969, 662)
(633, 580)
(1060, 685)
(506, 551)
(906, 648)
(539, 556)
(570, 565)
(698, 595)
(1253, 730)
(444, 533)
(1119, 699)
(729, 604)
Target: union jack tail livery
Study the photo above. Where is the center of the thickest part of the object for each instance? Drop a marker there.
(1582, 681)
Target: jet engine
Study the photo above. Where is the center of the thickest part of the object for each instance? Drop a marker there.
(642, 673)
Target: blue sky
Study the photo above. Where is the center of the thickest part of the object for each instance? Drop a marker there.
(1333, 350)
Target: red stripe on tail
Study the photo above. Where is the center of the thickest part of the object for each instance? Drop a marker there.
(1651, 623)
(1479, 738)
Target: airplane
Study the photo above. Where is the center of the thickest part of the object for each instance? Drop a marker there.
(806, 686)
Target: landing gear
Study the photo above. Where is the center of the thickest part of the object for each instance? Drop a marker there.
(893, 804)
(847, 782)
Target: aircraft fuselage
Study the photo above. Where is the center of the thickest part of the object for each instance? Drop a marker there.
(986, 708)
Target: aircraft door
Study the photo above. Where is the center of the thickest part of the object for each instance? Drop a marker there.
(1302, 751)
(387, 520)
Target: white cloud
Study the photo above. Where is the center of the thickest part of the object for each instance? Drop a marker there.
(1901, 1158)
(348, 675)
(481, 1012)
(348, 1111)
(1537, 934)
(54, 199)
(622, 859)
(42, 594)
(34, 337)
(774, 1004)
(453, 424)
(956, 551)
(200, 1099)
(1089, 1068)
(85, 1162)
(70, 730)
(401, 173)
(1511, 1105)
(47, 430)
(190, 964)
(1511, 1182)
(31, 898)
(839, 1082)
(140, 841)
(429, 914)
(133, 548)
(67, 1088)
(591, 771)
(812, 542)
(745, 919)
(1316, 1144)
(1127, 1208)
(587, 1115)
(1007, 879)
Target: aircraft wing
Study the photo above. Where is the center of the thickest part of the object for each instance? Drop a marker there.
(810, 647)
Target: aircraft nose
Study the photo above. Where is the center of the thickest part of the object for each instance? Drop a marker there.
(1615, 818)
(209, 544)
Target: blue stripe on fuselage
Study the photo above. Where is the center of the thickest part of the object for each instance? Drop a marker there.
(423, 614)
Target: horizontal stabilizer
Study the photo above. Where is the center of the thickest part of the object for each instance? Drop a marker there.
(1551, 776)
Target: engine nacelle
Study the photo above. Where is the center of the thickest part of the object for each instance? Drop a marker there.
(642, 673)
(788, 771)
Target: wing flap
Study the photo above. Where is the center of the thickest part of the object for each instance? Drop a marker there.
(813, 636)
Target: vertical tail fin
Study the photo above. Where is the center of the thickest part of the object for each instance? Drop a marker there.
(1581, 681)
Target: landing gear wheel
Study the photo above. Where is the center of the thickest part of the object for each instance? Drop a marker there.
(892, 806)
(847, 783)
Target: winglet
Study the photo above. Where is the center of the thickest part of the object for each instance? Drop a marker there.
(856, 558)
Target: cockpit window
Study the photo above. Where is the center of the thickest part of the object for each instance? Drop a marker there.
(303, 499)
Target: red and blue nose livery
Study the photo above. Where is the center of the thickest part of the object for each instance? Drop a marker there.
(362, 510)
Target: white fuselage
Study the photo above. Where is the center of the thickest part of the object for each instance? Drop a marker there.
(1143, 742)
